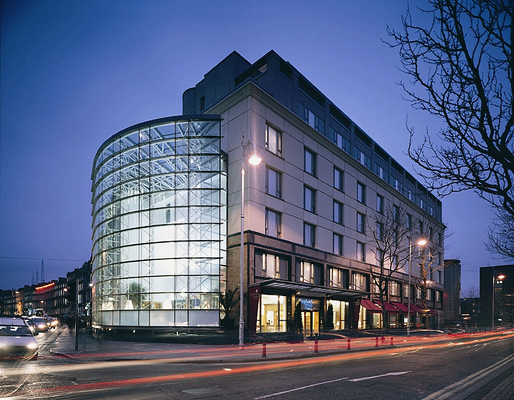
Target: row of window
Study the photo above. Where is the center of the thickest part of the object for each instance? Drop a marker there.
(273, 143)
(278, 266)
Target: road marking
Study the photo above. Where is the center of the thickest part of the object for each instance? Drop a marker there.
(301, 388)
(378, 376)
(466, 383)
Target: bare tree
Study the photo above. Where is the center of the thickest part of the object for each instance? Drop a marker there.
(501, 234)
(461, 70)
(389, 233)
(472, 293)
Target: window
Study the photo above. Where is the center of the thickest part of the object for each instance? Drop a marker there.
(335, 277)
(273, 183)
(361, 252)
(396, 213)
(381, 172)
(312, 119)
(360, 282)
(338, 179)
(394, 288)
(338, 212)
(273, 222)
(409, 221)
(271, 265)
(380, 257)
(308, 272)
(361, 223)
(309, 199)
(338, 244)
(421, 228)
(273, 140)
(380, 231)
(341, 141)
(309, 162)
(362, 158)
(380, 204)
(309, 235)
(361, 193)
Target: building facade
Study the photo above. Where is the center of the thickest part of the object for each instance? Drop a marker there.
(452, 309)
(167, 215)
(497, 295)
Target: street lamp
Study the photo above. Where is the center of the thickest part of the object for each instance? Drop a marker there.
(253, 159)
(500, 278)
(421, 243)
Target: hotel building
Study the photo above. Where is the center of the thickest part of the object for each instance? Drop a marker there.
(167, 213)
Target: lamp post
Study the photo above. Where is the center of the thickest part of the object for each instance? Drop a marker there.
(253, 159)
(500, 277)
(420, 242)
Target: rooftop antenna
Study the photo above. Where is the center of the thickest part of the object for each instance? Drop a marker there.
(42, 270)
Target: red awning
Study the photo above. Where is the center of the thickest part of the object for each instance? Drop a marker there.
(391, 308)
(370, 306)
(417, 309)
(402, 307)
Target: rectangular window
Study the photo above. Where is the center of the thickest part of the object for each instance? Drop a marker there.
(380, 231)
(360, 282)
(273, 183)
(308, 272)
(361, 252)
(394, 288)
(309, 162)
(338, 212)
(380, 257)
(309, 235)
(380, 204)
(361, 193)
(396, 213)
(273, 222)
(309, 199)
(271, 265)
(409, 221)
(338, 244)
(335, 277)
(361, 223)
(338, 179)
(273, 140)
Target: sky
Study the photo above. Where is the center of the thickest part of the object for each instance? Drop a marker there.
(73, 73)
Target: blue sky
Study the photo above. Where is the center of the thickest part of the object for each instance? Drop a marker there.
(73, 73)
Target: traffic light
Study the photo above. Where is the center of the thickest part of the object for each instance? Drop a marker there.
(70, 293)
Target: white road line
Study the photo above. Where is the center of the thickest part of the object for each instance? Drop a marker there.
(452, 390)
(378, 376)
(301, 388)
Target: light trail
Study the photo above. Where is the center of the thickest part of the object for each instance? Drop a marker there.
(269, 365)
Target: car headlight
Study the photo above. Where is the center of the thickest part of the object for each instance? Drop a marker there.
(32, 346)
(41, 326)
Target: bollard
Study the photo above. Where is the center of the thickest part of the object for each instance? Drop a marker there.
(264, 349)
(315, 345)
(392, 341)
(348, 347)
(376, 341)
(383, 339)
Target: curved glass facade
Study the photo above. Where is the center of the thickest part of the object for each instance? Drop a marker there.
(159, 195)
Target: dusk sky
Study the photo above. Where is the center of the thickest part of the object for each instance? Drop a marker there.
(73, 73)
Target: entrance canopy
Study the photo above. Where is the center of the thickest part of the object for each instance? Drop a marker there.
(304, 289)
(370, 306)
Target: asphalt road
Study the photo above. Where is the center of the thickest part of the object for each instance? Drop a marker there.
(413, 372)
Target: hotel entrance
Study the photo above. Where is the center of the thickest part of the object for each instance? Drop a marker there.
(310, 316)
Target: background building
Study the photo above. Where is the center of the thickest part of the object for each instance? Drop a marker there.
(167, 214)
(452, 311)
(497, 295)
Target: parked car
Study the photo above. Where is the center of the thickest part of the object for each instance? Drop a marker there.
(16, 339)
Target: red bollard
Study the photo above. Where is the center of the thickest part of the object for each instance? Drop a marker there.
(383, 339)
(315, 345)
(264, 349)
(376, 341)
(348, 347)
(392, 341)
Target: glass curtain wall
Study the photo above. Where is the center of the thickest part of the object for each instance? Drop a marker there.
(159, 195)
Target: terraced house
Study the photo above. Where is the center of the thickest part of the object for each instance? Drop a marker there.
(331, 223)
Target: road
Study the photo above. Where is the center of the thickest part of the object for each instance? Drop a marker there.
(412, 372)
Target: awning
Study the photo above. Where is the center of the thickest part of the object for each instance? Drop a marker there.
(391, 308)
(417, 309)
(402, 307)
(370, 306)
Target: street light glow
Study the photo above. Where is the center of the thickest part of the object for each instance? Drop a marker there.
(422, 242)
(500, 277)
(255, 159)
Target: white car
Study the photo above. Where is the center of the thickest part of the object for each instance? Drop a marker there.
(16, 339)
